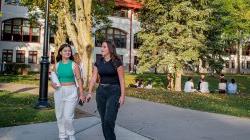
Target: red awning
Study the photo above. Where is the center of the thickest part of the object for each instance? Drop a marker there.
(128, 3)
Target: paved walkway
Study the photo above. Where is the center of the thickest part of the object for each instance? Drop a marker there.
(87, 128)
(165, 122)
(16, 88)
(159, 122)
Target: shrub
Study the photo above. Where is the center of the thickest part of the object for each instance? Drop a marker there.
(15, 68)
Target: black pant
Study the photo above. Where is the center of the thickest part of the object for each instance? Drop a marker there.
(107, 98)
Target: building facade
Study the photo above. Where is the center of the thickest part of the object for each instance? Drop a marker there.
(231, 61)
(123, 32)
(22, 42)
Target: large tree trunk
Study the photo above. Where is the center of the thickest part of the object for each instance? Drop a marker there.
(178, 80)
(170, 82)
(88, 68)
(79, 31)
(61, 34)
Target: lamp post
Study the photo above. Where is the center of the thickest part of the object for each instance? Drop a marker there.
(130, 43)
(44, 66)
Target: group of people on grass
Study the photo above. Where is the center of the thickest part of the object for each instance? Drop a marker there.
(139, 83)
(203, 86)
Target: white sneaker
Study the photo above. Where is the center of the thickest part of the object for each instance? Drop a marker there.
(72, 137)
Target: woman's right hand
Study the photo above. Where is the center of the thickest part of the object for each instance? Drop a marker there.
(54, 85)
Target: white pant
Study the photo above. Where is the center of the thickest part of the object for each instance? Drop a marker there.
(65, 99)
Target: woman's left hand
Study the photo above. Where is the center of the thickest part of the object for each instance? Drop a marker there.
(122, 100)
(82, 98)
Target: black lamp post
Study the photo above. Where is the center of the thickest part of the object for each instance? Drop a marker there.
(44, 64)
(130, 44)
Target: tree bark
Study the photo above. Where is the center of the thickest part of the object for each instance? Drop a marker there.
(170, 80)
(61, 35)
(178, 80)
(79, 31)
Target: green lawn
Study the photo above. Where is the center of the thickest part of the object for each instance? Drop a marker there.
(20, 79)
(18, 109)
(238, 105)
(159, 80)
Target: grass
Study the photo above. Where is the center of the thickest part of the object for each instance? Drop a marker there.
(31, 79)
(18, 109)
(231, 105)
(159, 80)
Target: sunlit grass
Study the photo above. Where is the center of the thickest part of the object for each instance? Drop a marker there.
(18, 109)
(238, 105)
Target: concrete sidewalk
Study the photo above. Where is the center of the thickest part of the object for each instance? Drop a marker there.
(148, 119)
(165, 122)
(88, 128)
(19, 88)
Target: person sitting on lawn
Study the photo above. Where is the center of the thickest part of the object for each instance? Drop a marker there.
(204, 86)
(140, 84)
(232, 88)
(136, 84)
(222, 84)
(202, 77)
(149, 85)
(189, 85)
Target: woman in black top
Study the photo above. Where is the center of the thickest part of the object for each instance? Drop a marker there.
(110, 94)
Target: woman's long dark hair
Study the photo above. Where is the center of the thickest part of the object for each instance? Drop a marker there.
(112, 50)
(59, 56)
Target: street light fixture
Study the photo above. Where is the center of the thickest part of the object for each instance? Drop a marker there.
(44, 66)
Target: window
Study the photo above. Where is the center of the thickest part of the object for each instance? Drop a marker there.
(12, 2)
(243, 66)
(52, 36)
(33, 57)
(232, 64)
(136, 61)
(227, 64)
(20, 30)
(137, 42)
(52, 58)
(136, 15)
(231, 51)
(246, 51)
(248, 64)
(203, 64)
(114, 35)
(7, 55)
(20, 56)
(119, 12)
